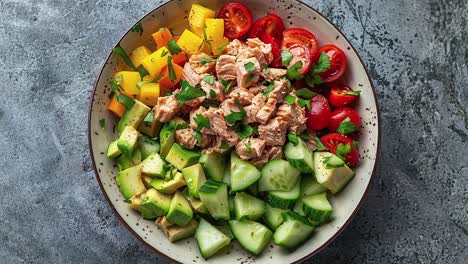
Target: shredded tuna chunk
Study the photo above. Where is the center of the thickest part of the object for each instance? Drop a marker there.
(294, 115)
(270, 152)
(190, 75)
(272, 74)
(166, 108)
(250, 148)
(207, 140)
(243, 95)
(263, 47)
(185, 138)
(202, 63)
(247, 76)
(215, 89)
(204, 113)
(233, 47)
(273, 132)
(228, 106)
(280, 89)
(251, 110)
(226, 68)
(267, 110)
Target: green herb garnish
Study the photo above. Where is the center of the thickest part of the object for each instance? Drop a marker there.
(102, 122)
(198, 136)
(313, 78)
(164, 53)
(188, 93)
(170, 68)
(125, 100)
(269, 89)
(119, 51)
(249, 78)
(342, 150)
(224, 145)
(286, 57)
(304, 103)
(243, 130)
(227, 85)
(320, 146)
(290, 99)
(236, 116)
(292, 137)
(305, 93)
(354, 93)
(155, 80)
(149, 119)
(143, 72)
(212, 94)
(292, 73)
(173, 47)
(204, 61)
(201, 121)
(138, 28)
(249, 66)
(209, 79)
(346, 126)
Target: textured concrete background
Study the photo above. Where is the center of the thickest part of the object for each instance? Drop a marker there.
(52, 210)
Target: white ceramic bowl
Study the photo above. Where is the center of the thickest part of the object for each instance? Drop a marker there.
(295, 14)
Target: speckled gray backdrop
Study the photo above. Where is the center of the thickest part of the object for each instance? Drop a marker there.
(52, 210)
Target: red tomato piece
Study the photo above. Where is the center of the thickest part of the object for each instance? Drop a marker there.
(331, 142)
(319, 114)
(339, 98)
(270, 24)
(301, 36)
(341, 114)
(337, 63)
(237, 19)
(301, 53)
(275, 49)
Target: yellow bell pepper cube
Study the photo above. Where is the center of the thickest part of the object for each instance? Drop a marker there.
(214, 33)
(139, 54)
(197, 17)
(190, 42)
(149, 94)
(129, 81)
(156, 61)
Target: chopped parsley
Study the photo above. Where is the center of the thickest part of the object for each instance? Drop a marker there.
(212, 94)
(346, 126)
(313, 78)
(249, 78)
(236, 116)
(188, 93)
(249, 66)
(290, 99)
(305, 136)
(356, 145)
(198, 136)
(152, 141)
(304, 103)
(292, 73)
(115, 85)
(342, 150)
(173, 47)
(209, 79)
(269, 89)
(204, 61)
(286, 57)
(119, 51)
(292, 137)
(305, 93)
(227, 85)
(320, 146)
(138, 28)
(170, 68)
(243, 130)
(201, 121)
(354, 93)
(102, 122)
(149, 119)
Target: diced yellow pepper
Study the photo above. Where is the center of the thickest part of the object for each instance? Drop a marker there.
(218, 47)
(139, 54)
(156, 61)
(129, 81)
(190, 42)
(214, 33)
(197, 17)
(149, 93)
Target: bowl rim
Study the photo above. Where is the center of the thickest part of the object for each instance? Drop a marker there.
(332, 238)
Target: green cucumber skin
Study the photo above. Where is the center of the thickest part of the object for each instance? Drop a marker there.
(296, 233)
(273, 216)
(317, 217)
(300, 156)
(280, 202)
(248, 241)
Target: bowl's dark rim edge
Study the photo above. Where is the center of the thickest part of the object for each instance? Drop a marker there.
(90, 107)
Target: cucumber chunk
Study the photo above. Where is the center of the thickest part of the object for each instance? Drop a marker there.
(284, 199)
(181, 158)
(133, 116)
(273, 216)
(214, 196)
(243, 174)
(130, 183)
(278, 175)
(194, 177)
(180, 212)
(210, 240)
(300, 156)
(334, 179)
(214, 165)
(128, 160)
(113, 150)
(127, 141)
(295, 230)
(156, 202)
(253, 236)
(147, 146)
(153, 166)
(248, 207)
(310, 186)
(317, 208)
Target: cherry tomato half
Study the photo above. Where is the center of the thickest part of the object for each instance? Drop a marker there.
(339, 96)
(301, 53)
(341, 114)
(270, 24)
(301, 36)
(319, 114)
(337, 63)
(331, 142)
(237, 19)
(275, 49)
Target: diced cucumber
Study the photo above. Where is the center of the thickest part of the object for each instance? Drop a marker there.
(317, 208)
(226, 229)
(156, 202)
(284, 199)
(169, 186)
(273, 216)
(127, 141)
(128, 160)
(214, 196)
(210, 240)
(243, 174)
(133, 116)
(130, 183)
(248, 207)
(310, 186)
(180, 157)
(113, 150)
(334, 179)
(253, 189)
(299, 156)
(227, 174)
(180, 212)
(278, 175)
(295, 230)
(194, 177)
(153, 166)
(299, 207)
(147, 146)
(167, 135)
(214, 165)
(251, 235)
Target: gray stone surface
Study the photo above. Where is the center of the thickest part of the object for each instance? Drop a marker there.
(52, 210)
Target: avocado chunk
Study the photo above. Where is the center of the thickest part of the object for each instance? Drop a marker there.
(147, 146)
(127, 141)
(133, 116)
(130, 183)
(162, 222)
(180, 212)
(113, 150)
(147, 181)
(135, 203)
(128, 160)
(169, 186)
(334, 179)
(194, 177)
(180, 157)
(156, 202)
(153, 166)
(214, 165)
(175, 233)
(150, 129)
(197, 205)
(167, 134)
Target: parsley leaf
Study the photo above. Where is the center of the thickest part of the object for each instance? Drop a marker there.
(293, 73)
(249, 66)
(201, 122)
(293, 138)
(268, 90)
(173, 47)
(290, 99)
(212, 94)
(119, 51)
(170, 68)
(138, 28)
(249, 78)
(204, 61)
(304, 103)
(236, 116)
(209, 79)
(355, 93)
(224, 145)
(342, 150)
(305, 93)
(198, 136)
(286, 57)
(102, 122)
(243, 130)
(115, 85)
(323, 64)
(188, 93)
(320, 146)
(346, 126)
(227, 85)
(312, 79)
(149, 119)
